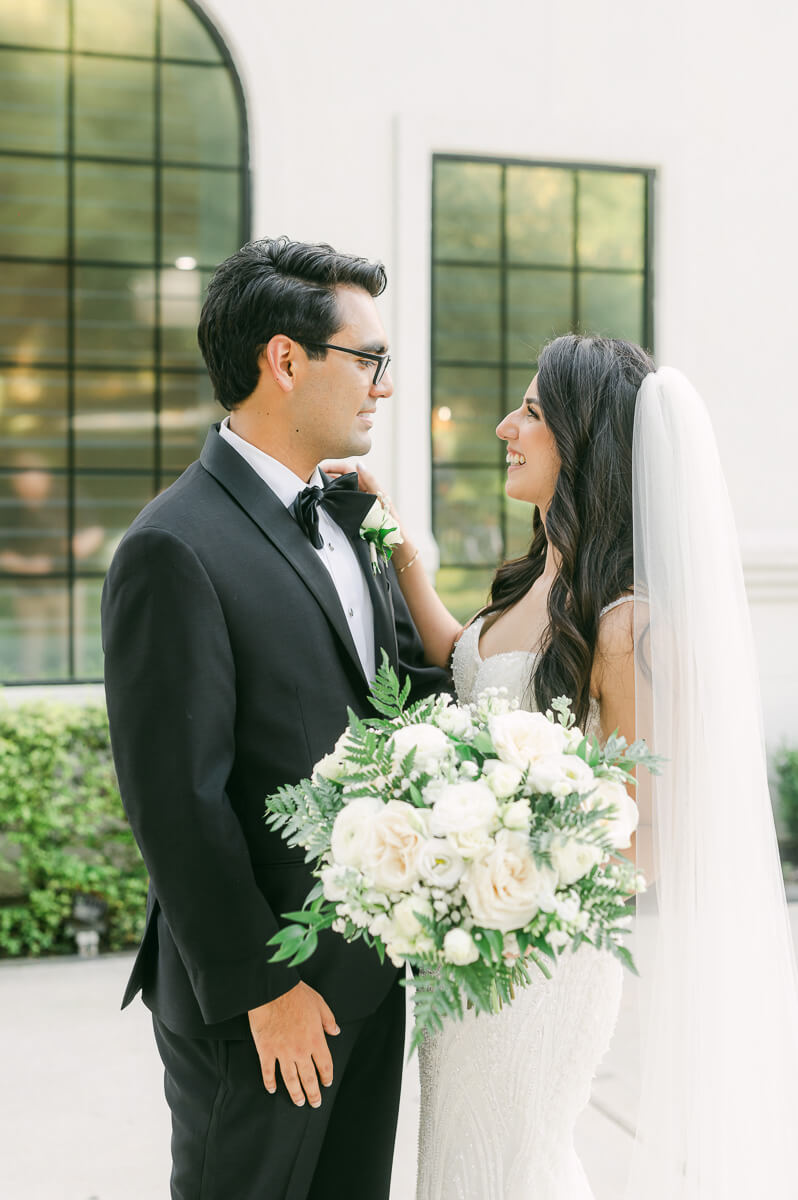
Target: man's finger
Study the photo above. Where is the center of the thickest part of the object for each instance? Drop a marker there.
(310, 1082)
(324, 1064)
(328, 1021)
(291, 1081)
(267, 1071)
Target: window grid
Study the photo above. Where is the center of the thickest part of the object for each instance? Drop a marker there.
(477, 569)
(158, 474)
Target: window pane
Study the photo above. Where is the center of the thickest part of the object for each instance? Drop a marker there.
(181, 301)
(86, 629)
(38, 24)
(32, 313)
(114, 108)
(124, 27)
(32, 207)
(612, 305)
(540, 306)
(464, 590)
(540, 215)
(114, 213)
(466, 316)
(518, 381)
(183, 35)
(200, 211)
(611, 219)
(467, 210)
(114, 419)
(34, 616)
(33, 416)
(187, 410)
(467, 506)
(104, 507)
(199, 115)
(114, 316)
(33, 519)
(33, 87)
(466, 410)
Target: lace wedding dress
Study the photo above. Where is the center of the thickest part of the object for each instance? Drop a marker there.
(500, 1094)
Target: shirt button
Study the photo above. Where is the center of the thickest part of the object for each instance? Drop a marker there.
(351, 612)
(330, 546)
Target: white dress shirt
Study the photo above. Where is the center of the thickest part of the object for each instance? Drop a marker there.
(337, 552)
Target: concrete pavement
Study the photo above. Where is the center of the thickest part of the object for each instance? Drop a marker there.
(82, 1114)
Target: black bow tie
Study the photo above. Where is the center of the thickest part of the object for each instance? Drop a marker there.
(341, 499)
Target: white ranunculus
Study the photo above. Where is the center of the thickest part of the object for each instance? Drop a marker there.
(609, 793)
(398, 832)
(521, 737)
(561, 775)
(502, 778)
(463, 807)
(353, 829)
(460, 948)
(333, 765)
(518, 815)
(454, 720)
(406, 923)
(439, 864)
(573, 859)
(431, 745)
(472, 843)
(334, 881)
(505, 888)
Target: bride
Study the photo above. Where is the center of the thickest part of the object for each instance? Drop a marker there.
(630, 601)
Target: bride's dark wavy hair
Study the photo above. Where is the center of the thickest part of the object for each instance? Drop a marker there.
(587, 387)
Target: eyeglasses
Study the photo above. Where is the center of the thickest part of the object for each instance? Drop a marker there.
(381, 360)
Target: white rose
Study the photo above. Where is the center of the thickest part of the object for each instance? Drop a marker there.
(502, 778)
(375, 517)
(460, 948)
(333, 765)
(353, 830)
(398, 833)
(521, 737)
(431, 745)
(518, 815)
(393, 538)
(454, 720)
(504, 889)
(572, 859)
(439, 864)
(610, 794)
(561, 775)
(471, 843)
(406, 923)
(464, 806)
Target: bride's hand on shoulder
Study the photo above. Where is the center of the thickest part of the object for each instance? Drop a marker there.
(367, 482)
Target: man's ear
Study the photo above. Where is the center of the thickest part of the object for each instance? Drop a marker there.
(278, 358)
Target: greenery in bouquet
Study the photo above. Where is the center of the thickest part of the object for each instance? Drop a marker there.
(475, 842)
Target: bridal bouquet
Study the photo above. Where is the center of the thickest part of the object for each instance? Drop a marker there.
(476, 842)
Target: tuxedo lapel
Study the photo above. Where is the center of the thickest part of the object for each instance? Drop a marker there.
(261, 505)
(381, 602)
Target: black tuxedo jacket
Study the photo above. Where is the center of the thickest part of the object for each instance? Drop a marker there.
(229, 667)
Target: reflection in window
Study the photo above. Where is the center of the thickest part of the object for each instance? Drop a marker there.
(123, 182)
(522, 252)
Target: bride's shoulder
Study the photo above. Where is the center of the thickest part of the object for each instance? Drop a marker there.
(616, 628)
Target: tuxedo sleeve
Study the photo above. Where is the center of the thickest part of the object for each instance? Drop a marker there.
(425, 679)
(170, 689)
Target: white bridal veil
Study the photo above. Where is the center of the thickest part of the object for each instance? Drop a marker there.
(719, 1013)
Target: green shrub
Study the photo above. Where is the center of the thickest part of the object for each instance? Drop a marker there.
(64, 830)
(786, 767)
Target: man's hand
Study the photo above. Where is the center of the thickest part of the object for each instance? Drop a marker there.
(290, 1031)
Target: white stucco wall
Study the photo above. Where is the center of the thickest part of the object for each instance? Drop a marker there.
(347, 102)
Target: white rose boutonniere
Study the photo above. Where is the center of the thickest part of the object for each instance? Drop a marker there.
(380, 531)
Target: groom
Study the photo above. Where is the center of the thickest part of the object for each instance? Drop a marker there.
(238, 624)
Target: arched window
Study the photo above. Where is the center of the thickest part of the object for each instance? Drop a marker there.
(123, 182)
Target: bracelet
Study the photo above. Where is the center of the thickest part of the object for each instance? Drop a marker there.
(409, 563)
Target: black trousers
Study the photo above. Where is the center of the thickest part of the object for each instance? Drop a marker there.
(231, 1140)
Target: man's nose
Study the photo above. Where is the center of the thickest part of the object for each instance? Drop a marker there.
(385, 386)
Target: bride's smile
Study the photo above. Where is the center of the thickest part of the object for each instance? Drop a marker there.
(533, 463)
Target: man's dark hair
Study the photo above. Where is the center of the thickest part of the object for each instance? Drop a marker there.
(268, 287)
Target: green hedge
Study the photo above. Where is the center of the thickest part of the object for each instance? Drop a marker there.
(786, 768)
(63, 830)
